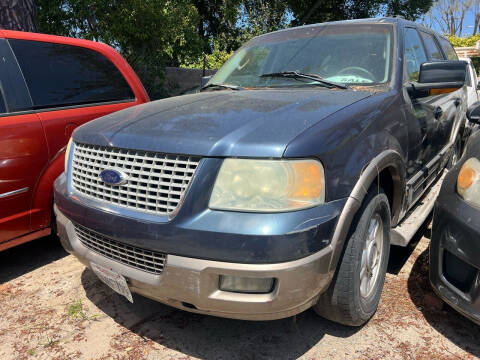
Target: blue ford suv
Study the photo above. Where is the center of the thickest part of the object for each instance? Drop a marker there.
(282, 184)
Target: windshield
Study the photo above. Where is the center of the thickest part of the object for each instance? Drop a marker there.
(347, 54)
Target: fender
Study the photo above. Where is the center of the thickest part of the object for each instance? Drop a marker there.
(348, 140)
(42, 200)
(389, 159)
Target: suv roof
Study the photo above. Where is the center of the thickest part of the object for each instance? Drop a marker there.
(380, 20)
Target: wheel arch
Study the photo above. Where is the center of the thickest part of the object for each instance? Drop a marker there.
(387, 168)
(42, 199)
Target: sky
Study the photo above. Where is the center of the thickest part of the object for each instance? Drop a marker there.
(467, 24)
(468, 28)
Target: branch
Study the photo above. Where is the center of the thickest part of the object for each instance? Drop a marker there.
(310, 12)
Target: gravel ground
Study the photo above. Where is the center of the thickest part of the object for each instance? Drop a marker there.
(55, 308)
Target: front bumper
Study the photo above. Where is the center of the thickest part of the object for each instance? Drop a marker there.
(455, 251)
(192, 284)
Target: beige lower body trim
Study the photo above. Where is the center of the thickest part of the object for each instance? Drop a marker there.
(192, 284)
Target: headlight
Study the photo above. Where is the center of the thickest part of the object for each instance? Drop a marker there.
(268, 185)
(67, 154)
(468, 181)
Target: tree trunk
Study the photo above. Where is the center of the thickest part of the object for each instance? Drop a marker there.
(453, 29)
(18, 15)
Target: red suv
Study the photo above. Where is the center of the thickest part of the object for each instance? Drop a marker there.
(49, 85)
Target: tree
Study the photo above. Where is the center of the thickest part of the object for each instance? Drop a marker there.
(449, 15)
(217, 20)
(409, 9)
(314, 11)
(476, 13)
(262, 16)
(18, 15)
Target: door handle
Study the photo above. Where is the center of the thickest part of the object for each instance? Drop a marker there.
(458, 101)
(437, 112)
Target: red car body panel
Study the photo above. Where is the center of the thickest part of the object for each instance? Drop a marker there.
(20, 158)
(32, 148)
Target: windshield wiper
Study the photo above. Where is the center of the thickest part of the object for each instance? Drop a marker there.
(221, 86)
(300, 75)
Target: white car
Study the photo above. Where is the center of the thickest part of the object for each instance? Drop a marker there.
(471, 81)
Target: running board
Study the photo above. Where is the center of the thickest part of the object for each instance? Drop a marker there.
(404, 232)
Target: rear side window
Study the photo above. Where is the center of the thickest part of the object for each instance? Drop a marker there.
(433, 50)
(449, 50)
(414, 53)
(64, 75)
(14, 94)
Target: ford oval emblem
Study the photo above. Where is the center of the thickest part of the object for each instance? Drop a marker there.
(113, 177)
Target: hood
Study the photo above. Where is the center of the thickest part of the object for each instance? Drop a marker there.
(258, 123)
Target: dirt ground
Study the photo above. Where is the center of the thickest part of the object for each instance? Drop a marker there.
(54, 308)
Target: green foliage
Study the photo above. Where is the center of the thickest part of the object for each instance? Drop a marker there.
(409, 9)
(212, 61)
(244, 20)
(464, 41)
(52, 19)
(260, 17)
(315, 11)
(476, 63)
(75, 310)
(217, 22)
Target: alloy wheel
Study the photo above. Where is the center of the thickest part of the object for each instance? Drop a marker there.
(371, 256)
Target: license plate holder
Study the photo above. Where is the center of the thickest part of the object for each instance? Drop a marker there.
(113, 280)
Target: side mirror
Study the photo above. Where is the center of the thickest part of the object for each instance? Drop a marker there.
(439, 77)
(473, 113)
(205, 80)
(478, 85)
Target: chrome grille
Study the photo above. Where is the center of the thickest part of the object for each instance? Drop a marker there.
(156, 182)
(146, 260)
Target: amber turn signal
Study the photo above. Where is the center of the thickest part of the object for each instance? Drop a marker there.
(468, 181)
(466, 178)
(442, 91)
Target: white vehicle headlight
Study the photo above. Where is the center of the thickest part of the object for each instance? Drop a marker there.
(67, 154)
(268, 185)
(468, 181)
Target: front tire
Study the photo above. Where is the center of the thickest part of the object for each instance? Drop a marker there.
(355, 291)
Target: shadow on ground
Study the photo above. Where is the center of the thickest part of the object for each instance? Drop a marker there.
(211, 337)
(27, 257)
(450, 324)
